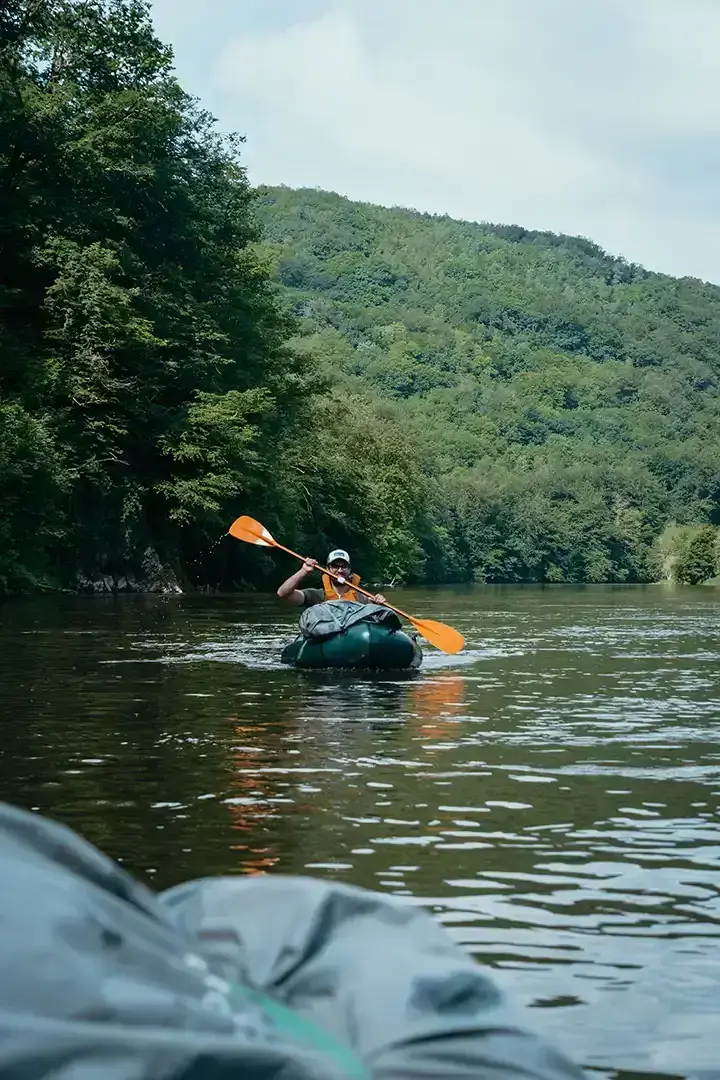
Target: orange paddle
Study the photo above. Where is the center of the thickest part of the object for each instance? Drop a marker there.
(438, 634)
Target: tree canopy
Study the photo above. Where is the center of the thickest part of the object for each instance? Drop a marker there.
(451, 401)
(563, 404)
(145, 370)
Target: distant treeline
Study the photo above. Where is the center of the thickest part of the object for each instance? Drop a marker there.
(452, 402)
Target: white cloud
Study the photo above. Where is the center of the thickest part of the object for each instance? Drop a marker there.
(679, 42)
(437, 119)
(596, 118)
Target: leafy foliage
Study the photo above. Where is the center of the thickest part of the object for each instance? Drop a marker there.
(32, 484)
(562, 405)
(688, 554)
(139, 331)
(450, 401)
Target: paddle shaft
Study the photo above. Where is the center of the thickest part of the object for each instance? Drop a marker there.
(438, 634)
(343, 581)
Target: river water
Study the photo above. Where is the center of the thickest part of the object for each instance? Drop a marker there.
(551, 794)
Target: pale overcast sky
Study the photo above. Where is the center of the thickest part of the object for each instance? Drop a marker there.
(591, 117)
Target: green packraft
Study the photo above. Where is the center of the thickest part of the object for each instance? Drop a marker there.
(347, 634)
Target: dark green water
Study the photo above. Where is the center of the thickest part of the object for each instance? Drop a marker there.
(551, 794)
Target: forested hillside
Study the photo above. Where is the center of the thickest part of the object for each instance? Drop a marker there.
(564, 404)
(450, 401)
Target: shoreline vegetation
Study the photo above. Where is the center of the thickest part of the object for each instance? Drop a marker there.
(451, 401)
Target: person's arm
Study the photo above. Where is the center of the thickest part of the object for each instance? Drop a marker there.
(289, 589)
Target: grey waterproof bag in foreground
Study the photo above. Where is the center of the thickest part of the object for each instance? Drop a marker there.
(267, 978)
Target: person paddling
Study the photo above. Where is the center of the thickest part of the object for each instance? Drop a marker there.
(339, 562)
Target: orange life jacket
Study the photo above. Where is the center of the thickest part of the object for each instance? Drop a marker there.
(331, 592)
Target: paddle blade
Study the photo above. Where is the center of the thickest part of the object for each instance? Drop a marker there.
(251, 531)
(438, 634)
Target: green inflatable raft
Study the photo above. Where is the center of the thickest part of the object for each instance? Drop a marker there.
(345, 634)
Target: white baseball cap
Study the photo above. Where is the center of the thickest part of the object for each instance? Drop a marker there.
(337, 555)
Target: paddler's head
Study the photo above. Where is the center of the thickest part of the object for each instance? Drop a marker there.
(339, 562)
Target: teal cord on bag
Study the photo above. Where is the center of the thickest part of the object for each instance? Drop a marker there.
(298, 1028)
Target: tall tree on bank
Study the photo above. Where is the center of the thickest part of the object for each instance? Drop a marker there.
(144, 372)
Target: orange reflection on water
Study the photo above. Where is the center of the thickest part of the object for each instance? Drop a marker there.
(255, 789)
(437, 703)
(254, 863)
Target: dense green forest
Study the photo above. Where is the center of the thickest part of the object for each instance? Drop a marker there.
(563, 405)
(450, 401)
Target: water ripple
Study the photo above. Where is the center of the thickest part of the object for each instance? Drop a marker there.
(551, 794)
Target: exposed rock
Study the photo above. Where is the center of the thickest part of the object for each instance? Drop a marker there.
(155, 578)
